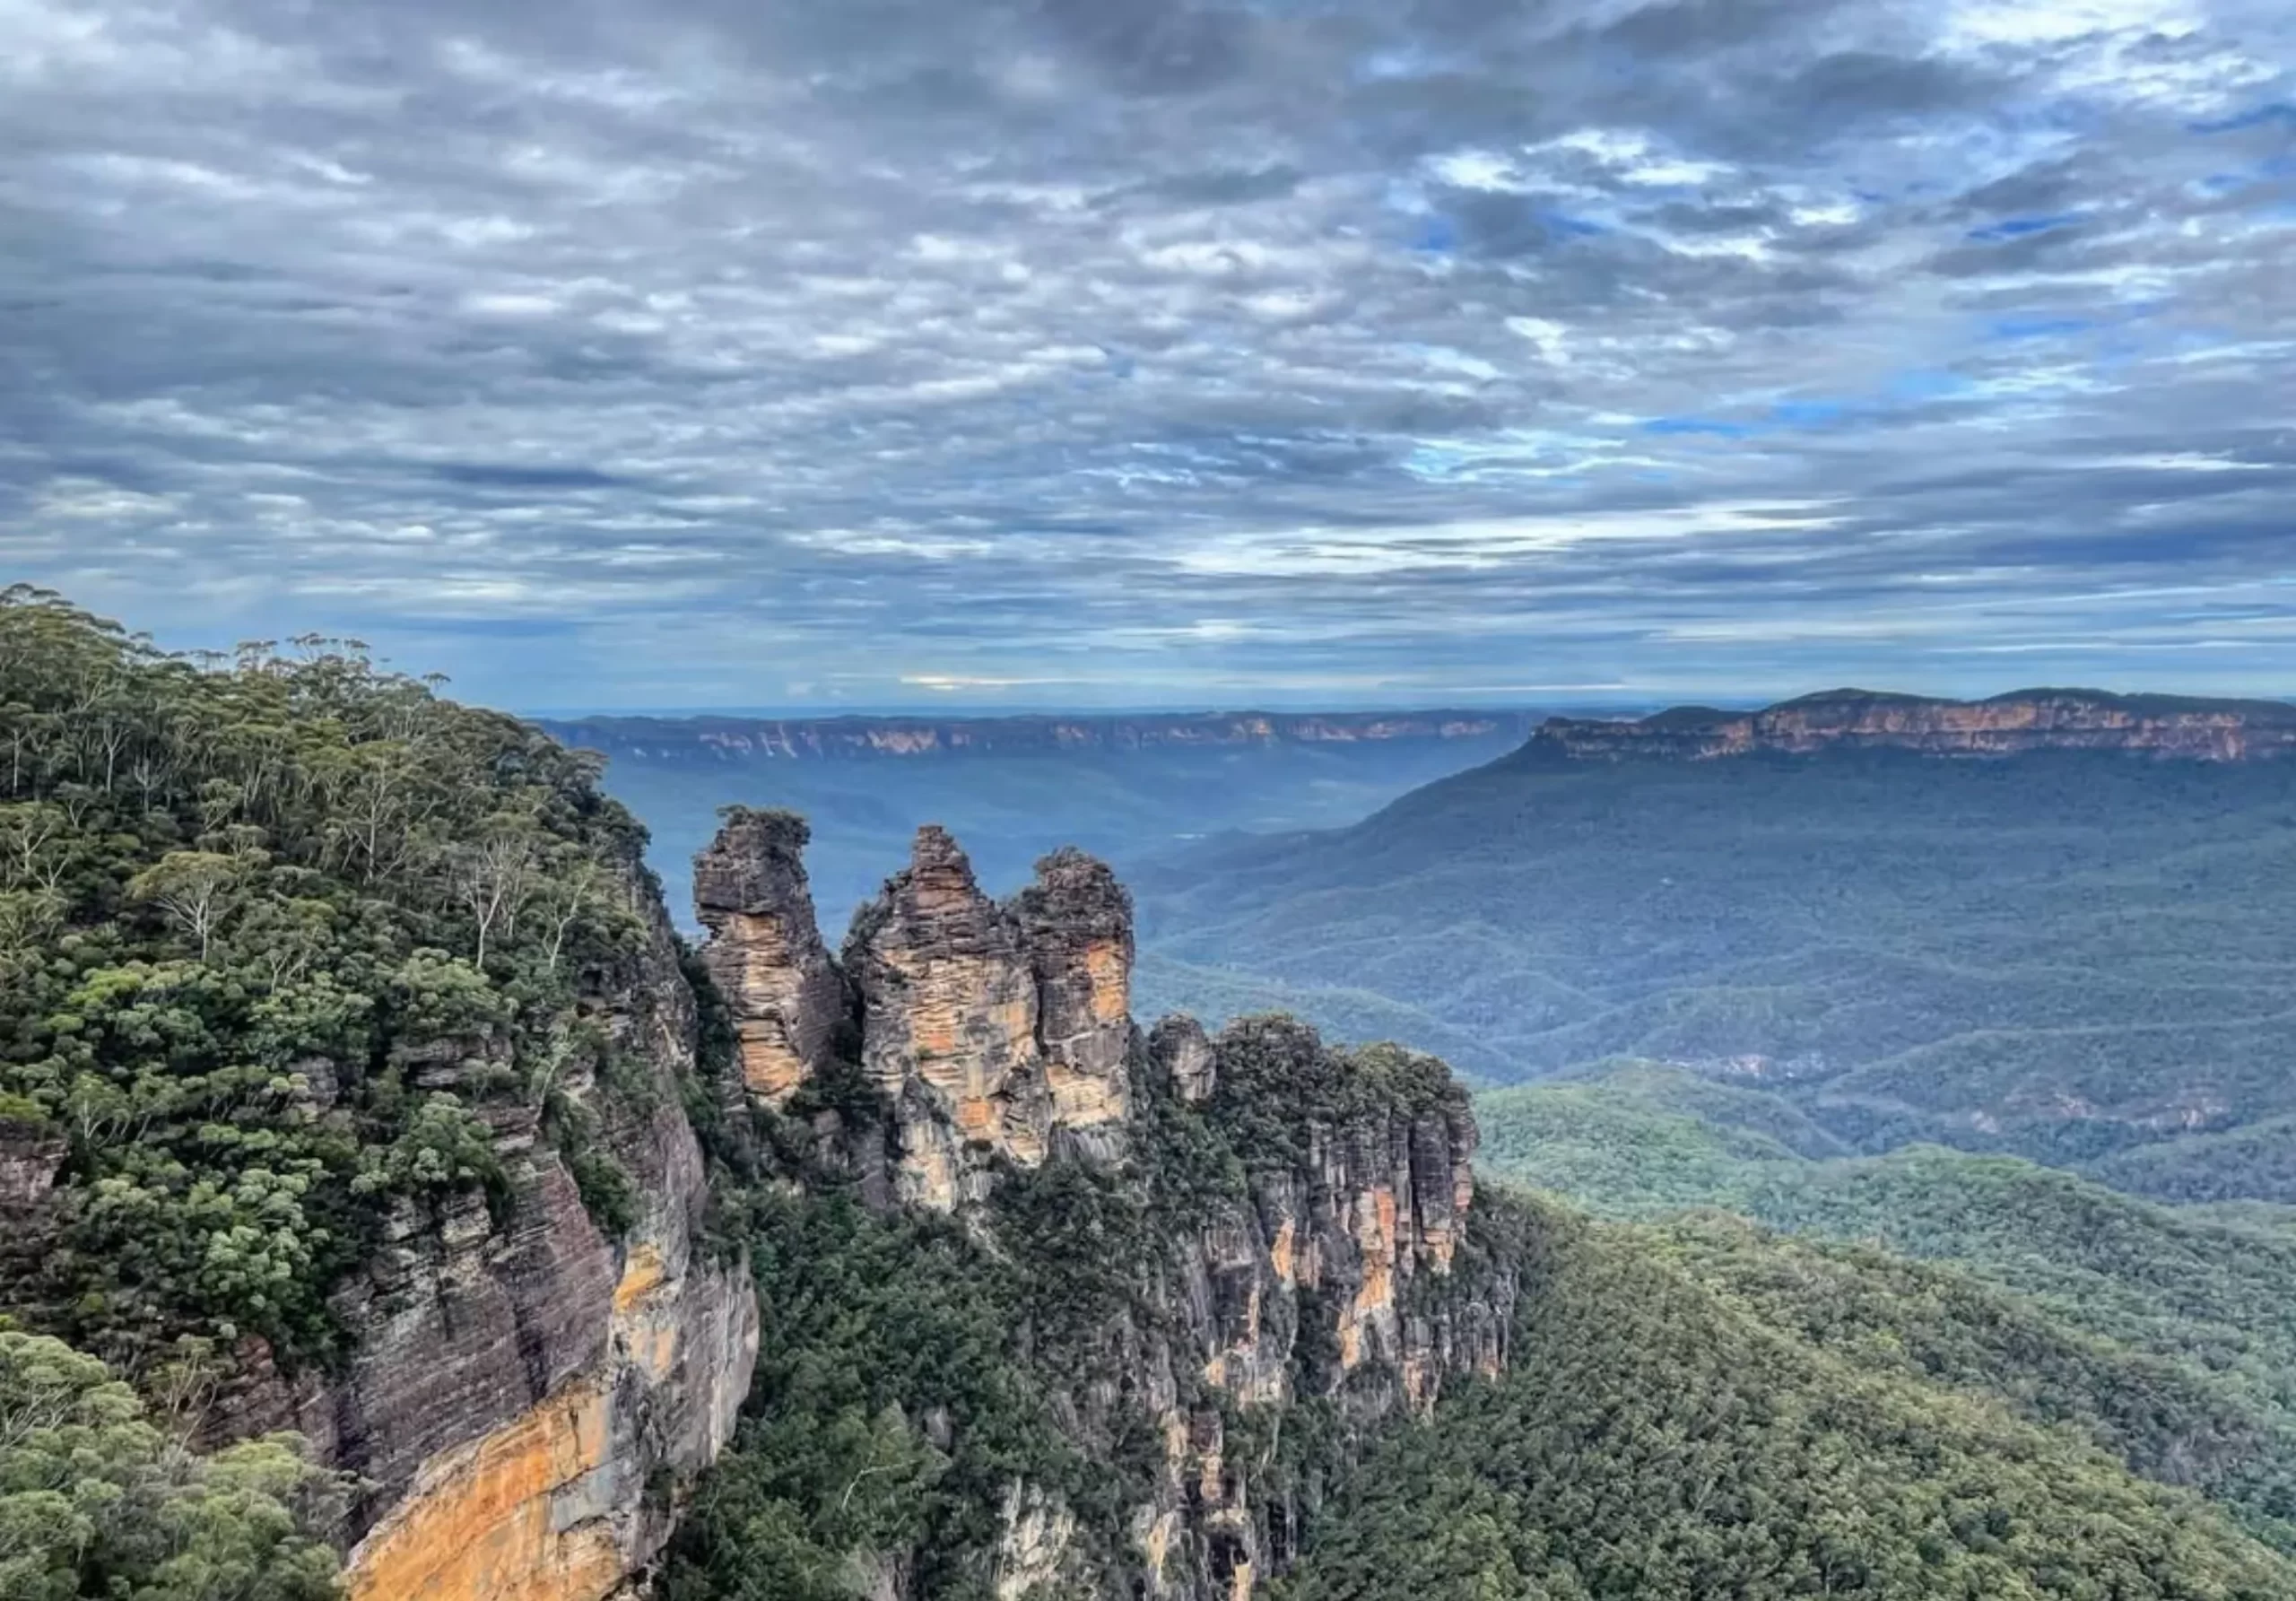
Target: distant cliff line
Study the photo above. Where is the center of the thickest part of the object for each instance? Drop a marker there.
(735, 739)
(2165, 727)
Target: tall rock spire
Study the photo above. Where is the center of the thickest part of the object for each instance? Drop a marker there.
(765, 951)
(1075, 921)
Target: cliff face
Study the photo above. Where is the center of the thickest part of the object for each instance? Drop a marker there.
(1326, 1269)
(2160, 726)
(997, 1032)
(714, 739)
(527, 1398)
(765, 953)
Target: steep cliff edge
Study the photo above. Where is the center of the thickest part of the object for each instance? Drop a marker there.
(2045, 719)
(531, 1395)
(1206, 1247)
(351, 1082)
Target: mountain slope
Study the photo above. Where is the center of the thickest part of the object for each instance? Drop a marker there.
(2172, 1323)
(1656, 1439)
(2061, 951)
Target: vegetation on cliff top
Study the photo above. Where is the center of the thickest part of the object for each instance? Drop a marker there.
(278, 934)
(99, 1497)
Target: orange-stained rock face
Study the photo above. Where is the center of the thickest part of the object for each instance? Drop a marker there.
(994, 1030)
(513, 1385)
(510, 1516)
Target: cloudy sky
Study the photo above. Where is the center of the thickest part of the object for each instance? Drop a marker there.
(771, 353)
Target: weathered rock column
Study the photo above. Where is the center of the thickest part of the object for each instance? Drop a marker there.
(765, 951)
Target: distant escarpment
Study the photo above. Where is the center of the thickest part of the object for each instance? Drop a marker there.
(736, 739)
(1198, 1236)
(2167, 727)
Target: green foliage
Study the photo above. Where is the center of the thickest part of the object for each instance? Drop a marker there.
(892, 1406)
(272, 929)
(1656, 1439)
(2257, 1163)
(95, 1499)
(2162, 1334)
(1278, 1080)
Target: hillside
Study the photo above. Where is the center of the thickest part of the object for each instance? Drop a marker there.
(2063, 952)
(1659, 1435)
(348, 1082)
(2172, 1322)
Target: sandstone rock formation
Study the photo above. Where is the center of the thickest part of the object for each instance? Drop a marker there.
(527, 1396)
(1335, 1280)
(1184, 1054)
(998, 1033)
(765, 952)
(994, 1038)
(2157, 726)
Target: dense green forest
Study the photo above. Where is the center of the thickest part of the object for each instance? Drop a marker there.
(280, 932)
(2172, 1322)
(1659, 1438)
(243, 904)
(2068, 955)
(100, 1498)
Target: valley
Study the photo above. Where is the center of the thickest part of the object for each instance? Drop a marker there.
(399, 1205)
(2071, 950)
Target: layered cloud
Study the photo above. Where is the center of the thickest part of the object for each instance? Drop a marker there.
(1061, 351)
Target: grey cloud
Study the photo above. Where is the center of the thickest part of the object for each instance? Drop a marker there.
(707, 347)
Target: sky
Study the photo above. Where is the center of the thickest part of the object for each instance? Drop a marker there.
(657, 353)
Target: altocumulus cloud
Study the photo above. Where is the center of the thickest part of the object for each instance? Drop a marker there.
(699, 351)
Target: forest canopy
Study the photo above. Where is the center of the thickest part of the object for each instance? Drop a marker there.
(280, 931)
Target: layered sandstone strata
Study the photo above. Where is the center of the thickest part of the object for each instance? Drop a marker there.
(993, 1032)
(527, 1398)
(765, 951)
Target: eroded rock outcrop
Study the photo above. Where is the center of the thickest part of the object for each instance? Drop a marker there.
(765, 951)
(995, 1032)
(528, 1398)
(2157, 726)
(1321, 1262)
